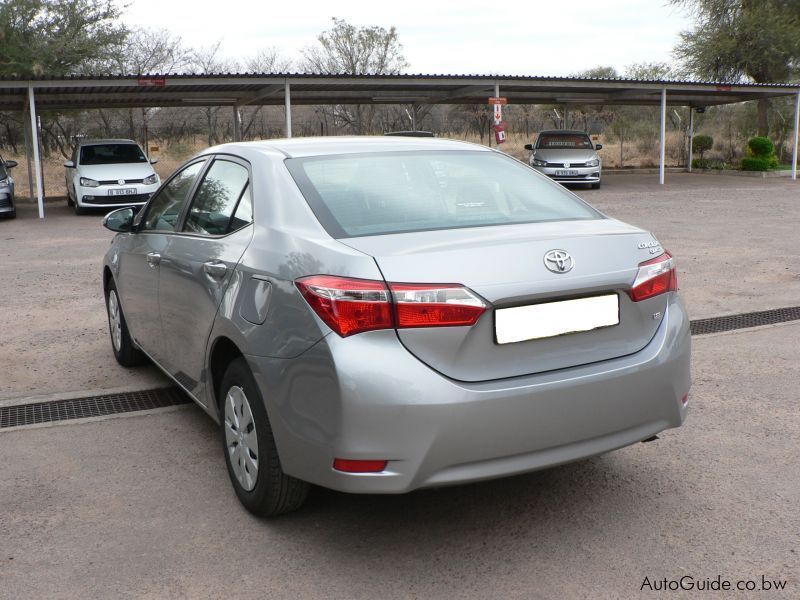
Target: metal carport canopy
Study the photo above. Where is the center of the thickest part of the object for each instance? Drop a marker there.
(83, 92)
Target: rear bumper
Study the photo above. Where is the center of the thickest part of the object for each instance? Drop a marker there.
(366, 397)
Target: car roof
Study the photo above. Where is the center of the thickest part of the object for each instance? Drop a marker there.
(107, 141)
(325, 146)
(567, 131)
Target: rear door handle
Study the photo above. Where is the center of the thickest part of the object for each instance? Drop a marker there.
(153, 259)
(215, 269)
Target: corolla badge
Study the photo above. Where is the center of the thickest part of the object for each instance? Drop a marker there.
(559, 261)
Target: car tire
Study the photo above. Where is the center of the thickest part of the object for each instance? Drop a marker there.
(596, 185)
(69, 199)
(125, 351)
(255, 469)
(79, 210)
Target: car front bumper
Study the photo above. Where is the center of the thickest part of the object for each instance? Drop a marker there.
(103, 196)
(582, 174)
(366, 397)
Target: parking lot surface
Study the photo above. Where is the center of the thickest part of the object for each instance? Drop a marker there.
(141, 506)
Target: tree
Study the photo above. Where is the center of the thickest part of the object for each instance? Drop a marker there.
(345, 48)
(56, 37)
(208, 60)
(269, 60)
(733, 40)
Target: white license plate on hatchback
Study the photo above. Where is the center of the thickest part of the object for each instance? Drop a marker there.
(566, 173)
(550, 319)
(122, 192)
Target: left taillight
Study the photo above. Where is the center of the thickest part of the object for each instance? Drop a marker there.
(350, 306)
(656, 276)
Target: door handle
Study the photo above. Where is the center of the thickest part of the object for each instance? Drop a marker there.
(215, 269)
(153, 259)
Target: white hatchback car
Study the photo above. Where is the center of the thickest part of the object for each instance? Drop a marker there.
(109, 174)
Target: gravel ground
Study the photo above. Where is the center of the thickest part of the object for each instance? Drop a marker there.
(734, 238)
(141, 507)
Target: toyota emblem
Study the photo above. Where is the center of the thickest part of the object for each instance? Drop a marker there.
(559, 261)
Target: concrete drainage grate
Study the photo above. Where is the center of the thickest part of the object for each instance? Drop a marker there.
(93, 406)
(745, 320)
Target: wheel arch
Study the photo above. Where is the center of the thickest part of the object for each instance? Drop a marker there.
(223, 351)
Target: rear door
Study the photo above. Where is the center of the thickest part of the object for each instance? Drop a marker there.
(198, 262)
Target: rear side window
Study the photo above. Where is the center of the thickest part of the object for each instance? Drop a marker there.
(371, 194)
(218, 196)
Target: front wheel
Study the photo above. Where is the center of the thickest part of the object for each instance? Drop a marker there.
(250, 452)
(126, 353)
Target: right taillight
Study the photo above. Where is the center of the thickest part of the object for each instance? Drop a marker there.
(349, 306)
(654, 277)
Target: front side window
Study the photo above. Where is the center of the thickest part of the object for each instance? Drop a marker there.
(112, 154)
(217, 198)
(165, 208)
(564, 141)
(392, 192)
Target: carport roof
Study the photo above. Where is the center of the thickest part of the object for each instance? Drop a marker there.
(125, 91)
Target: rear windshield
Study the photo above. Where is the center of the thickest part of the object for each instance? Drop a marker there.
(568, 141)
(371, 194)
(111, 154)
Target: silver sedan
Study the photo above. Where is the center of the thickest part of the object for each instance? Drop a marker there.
(378, 315)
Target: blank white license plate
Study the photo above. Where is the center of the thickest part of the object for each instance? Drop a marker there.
(566, 173)
(122, 192)
(550, 319)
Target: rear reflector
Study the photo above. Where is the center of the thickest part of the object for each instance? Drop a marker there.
(359, 466)
(350, 306)
(656, 276)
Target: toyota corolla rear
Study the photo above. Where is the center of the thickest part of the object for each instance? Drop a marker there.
(507, 326)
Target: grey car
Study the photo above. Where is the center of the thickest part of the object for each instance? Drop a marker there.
(7, 207)
(567, 156)
(377, 315)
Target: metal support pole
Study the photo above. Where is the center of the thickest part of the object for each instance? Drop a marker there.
(565, 124)
(691, 138)
(663, 141)
(37, 163)
(796, 130)
(287, 96)
(237, 125)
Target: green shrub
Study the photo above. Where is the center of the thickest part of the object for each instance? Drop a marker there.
(755, 163)
(702, 143)
(761, 147)
(700, 163)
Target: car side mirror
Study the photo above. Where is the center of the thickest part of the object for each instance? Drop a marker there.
(153, 161)
(529, 147)
(598, 146)
(10, 164)
(120, 220)
(69, 164)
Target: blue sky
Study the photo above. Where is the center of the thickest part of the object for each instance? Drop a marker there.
(536, 37)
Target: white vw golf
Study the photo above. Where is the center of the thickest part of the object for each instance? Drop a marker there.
(109, 173)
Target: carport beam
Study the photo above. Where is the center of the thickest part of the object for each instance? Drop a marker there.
(287, 98)
(37, 163)
(796, 131)
(691, 139)
(663, 144)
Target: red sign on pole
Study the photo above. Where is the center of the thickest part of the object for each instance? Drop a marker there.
(501, 100)
(153, 81)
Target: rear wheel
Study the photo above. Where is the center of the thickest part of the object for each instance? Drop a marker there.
(250, 452)
(126, 353)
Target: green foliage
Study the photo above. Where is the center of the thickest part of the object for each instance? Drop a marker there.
(761, 147)
(755, 163)
(700, 163)
(56, 37)
(701, 144)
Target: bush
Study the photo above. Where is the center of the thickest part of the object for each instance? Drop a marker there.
(700, 163)
(761, 147)
(756, 163)
(702, 143)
